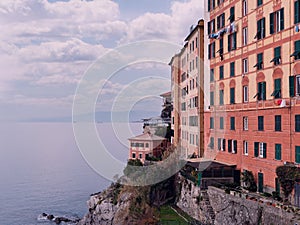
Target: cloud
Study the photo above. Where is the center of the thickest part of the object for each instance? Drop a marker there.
(161, 26)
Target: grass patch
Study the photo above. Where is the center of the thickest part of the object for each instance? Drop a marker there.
(169, 217)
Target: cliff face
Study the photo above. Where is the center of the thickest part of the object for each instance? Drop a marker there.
(119, 205)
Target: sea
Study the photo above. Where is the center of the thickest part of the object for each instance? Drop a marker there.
(43, 171)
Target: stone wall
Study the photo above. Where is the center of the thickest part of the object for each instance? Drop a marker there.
(230, 209)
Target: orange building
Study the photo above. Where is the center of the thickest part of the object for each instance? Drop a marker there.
(254, 52)
(145, 145)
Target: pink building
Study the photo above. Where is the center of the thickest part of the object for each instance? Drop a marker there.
(145, 145)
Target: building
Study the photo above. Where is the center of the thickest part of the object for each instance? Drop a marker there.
(147, 145)
(188, 91)
(254, 116)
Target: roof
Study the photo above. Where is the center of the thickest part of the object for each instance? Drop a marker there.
(167, 94)
(204, 165)
(200, 23)
(147, 137)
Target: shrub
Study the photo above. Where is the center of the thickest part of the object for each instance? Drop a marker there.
(249, 182)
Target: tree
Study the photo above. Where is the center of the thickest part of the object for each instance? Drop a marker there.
(287, 176)
(249, 182)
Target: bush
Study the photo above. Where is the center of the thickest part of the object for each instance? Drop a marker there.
(248, 179)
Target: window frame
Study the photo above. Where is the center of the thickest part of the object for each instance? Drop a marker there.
(245, 123)
(245, 94)
(245, 36)
(260, 123)
(245, 148)
(278, 121)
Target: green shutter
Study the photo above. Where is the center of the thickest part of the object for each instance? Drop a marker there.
(277, 185)
(256, 149)
(282, 19)
(212, 98)
(232, 69)
(277, 84)
(221, 96)
(232, 95)
(229, 146)
(278, 151)
(235, 146)
(296, 12)
(277, 52)
(221, 72)
(263, 27)
(258, 29)
(219, 143)
(208, 5)
(260, 182)
(232, 14)
(271, 23)
(212, 123)
(229, 45)
(234, 40)
(297, 45)
(232, 123)
(221, 122)
(297, 154)
(224, 145)
(265, 150)
(292, 86)
(264, 90)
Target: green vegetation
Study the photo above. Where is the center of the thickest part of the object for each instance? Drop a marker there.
(287, 176)
(169, 217)
(248, 179)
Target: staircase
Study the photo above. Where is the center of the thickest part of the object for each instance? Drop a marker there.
(209, 209)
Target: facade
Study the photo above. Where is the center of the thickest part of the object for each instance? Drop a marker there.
(145, 145)
(187, 91)
(254, 118)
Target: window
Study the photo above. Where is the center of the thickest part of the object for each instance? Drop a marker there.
(278, 151)
(245, 148)
(211, 27)
(296, 53)
(221, 96)
(297, 154)
(232, 123)
(221, 50)
(212, 75)
(212, 98)
(260, 149)
(277, 88)
(231, 17)
(245, 123)
(277, 21)
(133, 155)
(245, 36)
(193, 121)
(245, 94)
(231, 41)
(277, 56)
(298, 85)
(245, 7)
(259, 2)
(232, 69)
(297, 11)
(245, 65)
(221, 123)
(221, 21)
(147, 145)
(261, 29)
(261, 91)
(221, 72)
(212, 50)
(211, 4)
(278, 123)
(183, 106)
(260, 61)
(212, 143)
(297, 123)
(260, 123)
(183, 77)
(212, 123)
(232, 146)
(140, 156)
(232, 95)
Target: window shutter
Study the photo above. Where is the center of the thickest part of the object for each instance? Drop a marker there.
(208, 28)
(296, 12)
(235, 146)
(232, 69)
(219, 143)
(232, 97)
(278, 151)
(224, 144)
(229, 146)
(297, 154)
(265, 150)
(292, 86)
(229, 46)
(256, 149)
(272, 23)
(264, 90)
(282, 19)
(223, 19)
(221, 95)
(234, 40)
(259, 29)
(263, 27)
(213, 4)
(208, 5)
(277, 84)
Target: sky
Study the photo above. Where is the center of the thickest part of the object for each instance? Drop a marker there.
(46, 48)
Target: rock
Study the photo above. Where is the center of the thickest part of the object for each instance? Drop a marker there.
(50, 217)
(44, 214)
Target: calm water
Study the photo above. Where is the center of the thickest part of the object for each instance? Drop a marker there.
(41, 170)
